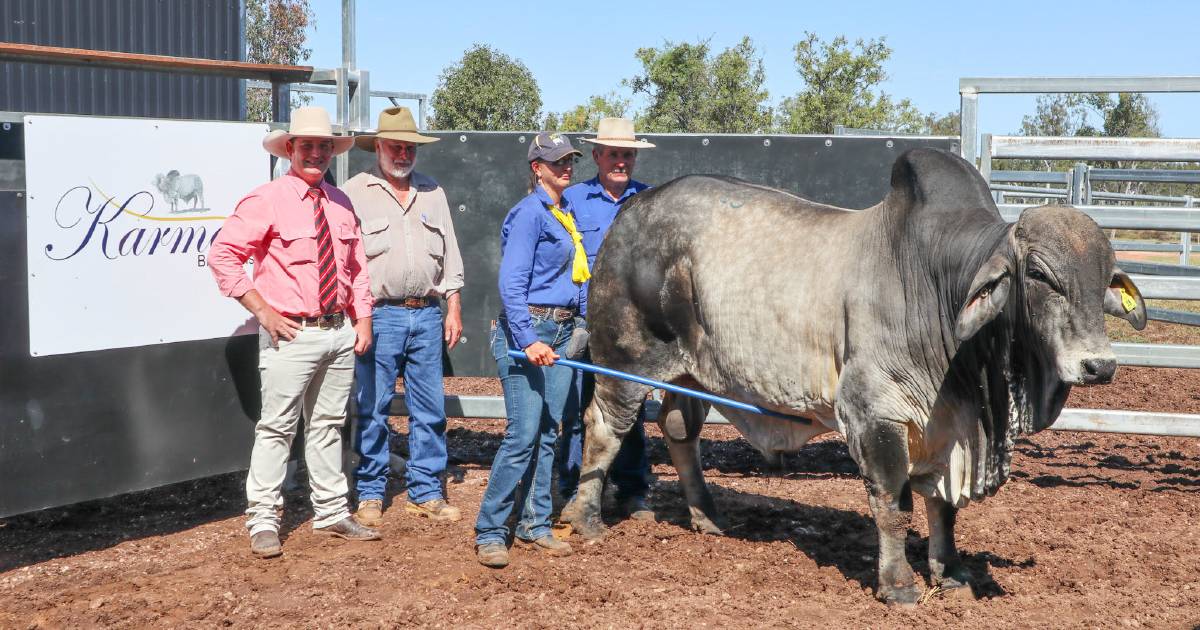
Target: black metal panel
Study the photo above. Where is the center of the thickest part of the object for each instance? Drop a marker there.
(208, 29)
(484, 174)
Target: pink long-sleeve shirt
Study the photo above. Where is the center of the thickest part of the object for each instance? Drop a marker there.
(274, 225)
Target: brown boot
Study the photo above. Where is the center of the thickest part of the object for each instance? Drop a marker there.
(349, 529)
(435, 510)
(637, 509)
(265, 544)
(551, 545)
(370, 512)
(493, 555)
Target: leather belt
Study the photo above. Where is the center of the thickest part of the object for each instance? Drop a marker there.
(553, 313)
(408, 302)
(324, 322)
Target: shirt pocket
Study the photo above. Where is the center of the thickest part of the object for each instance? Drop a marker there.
(375, 236)
(299, 242)
(347, 238)
(435, 238)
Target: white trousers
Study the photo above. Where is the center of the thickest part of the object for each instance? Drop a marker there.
(309, 375)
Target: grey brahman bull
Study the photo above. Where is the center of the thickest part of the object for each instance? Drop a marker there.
(926, 329)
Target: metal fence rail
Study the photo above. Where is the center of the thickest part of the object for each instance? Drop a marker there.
(1088, 420)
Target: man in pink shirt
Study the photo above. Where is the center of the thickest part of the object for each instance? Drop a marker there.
(312, 299)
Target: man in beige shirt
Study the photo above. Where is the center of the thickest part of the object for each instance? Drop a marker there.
(413, 261)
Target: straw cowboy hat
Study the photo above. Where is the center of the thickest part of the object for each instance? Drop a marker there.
(395, 123)
(307, 122)
(617, 132)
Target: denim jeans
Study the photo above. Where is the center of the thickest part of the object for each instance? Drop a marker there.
(534, 399)
(408, 340)
(630, 468)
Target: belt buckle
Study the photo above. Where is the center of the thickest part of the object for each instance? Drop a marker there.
(329, 321)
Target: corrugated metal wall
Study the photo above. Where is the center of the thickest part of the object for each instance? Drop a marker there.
(210, 29)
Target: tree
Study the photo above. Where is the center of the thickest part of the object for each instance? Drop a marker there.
(275, 34)
(676, 81)
(692, 92)
(949, 124)
(486, 91)
(736, 103)
(840, 88)
(587, 116)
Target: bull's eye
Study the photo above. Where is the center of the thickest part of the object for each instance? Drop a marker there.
(1036, 274)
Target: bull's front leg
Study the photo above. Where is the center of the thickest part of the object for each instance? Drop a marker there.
(945, 567)
(881, 450)
(681, 420)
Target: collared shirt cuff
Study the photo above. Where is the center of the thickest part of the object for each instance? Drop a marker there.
(361, 308)
(240, 287)
(525, 338)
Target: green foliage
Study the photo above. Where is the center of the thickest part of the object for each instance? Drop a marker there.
(275, 34)
(486, 91)
(692, 92)
(1129, 115)
(840, 88)
(585, 117)
(949, 124)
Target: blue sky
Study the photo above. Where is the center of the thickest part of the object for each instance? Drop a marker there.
(577, 49)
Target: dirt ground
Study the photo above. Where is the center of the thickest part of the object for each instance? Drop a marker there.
(1091, 531)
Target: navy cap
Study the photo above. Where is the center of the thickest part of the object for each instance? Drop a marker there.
(551, 146)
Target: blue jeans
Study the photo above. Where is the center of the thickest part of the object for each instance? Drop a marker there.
(408, 340)
(534, 399)
(630, 468)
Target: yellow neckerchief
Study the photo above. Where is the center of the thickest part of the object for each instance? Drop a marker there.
(579, 270)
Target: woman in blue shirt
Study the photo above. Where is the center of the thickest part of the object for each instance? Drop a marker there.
(543, 271)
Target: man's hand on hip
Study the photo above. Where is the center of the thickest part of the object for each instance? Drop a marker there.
(362, 333)
(276, 325)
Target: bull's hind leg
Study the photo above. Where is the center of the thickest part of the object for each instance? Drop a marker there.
(607, 420)
(945, 567)
(681, 420)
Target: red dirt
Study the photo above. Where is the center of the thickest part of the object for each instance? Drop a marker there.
(1092, 531)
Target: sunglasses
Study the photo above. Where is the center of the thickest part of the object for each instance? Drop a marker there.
(561, 162)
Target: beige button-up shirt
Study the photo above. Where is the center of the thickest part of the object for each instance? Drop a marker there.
(411, 248)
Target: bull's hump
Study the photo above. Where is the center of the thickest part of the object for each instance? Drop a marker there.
(936, 180)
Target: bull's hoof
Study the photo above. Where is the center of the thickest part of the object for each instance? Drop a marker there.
(906, 596)
(570, 513)
(589, 528)
(706, 526)
(952, 578)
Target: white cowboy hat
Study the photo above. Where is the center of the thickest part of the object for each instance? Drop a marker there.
(617, 132)
(307, 122)
(395, 123)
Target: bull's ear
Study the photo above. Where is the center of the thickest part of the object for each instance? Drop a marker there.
(987, 297)
(1122, 299)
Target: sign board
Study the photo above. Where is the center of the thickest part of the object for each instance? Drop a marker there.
(120, 217)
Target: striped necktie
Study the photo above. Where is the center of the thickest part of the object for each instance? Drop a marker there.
(326, 267)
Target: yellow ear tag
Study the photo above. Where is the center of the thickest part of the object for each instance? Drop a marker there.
(1127, 300)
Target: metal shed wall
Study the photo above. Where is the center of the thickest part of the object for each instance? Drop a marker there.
(209, 29)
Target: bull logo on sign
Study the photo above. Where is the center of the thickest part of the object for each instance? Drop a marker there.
(174, 188)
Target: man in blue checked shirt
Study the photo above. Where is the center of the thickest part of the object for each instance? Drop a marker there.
(596, 203)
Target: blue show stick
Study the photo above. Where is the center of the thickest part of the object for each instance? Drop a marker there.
(588, 367)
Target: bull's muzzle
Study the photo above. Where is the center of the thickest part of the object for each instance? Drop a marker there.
(1097, 371)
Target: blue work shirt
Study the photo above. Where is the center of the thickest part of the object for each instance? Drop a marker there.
(536, 255)
(595, 210)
